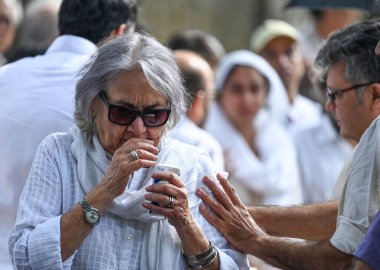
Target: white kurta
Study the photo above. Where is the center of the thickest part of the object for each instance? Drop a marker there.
(302, 114)
(272, 178)
(117, 242)
(37, 99)
(186, 131)
(321, 154)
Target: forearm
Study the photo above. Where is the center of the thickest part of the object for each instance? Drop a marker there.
(291, 254)
(195, 242)
(310, 222)
(74, 228)
(359, 265)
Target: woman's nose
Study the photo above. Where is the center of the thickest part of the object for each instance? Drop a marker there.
(137, 127)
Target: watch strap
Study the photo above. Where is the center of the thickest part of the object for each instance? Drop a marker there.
(85, 204)
(89, 212)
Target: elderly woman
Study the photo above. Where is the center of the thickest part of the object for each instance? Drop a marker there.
(260, 156)
(87, 202)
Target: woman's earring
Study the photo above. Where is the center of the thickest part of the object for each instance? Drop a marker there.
(94, 119)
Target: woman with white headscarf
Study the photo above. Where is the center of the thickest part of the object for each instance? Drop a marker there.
(260, 157)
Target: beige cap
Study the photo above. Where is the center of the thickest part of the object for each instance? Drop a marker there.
(269, 30)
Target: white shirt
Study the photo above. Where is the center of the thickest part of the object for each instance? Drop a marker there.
(115, 242)
(187, 131)
(360, 200)
(272, 178)
(302, 114)
(321, 155)
(37, 99)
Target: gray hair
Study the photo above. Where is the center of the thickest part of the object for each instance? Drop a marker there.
(16, 10)
(355, 47)
(127, 53)
(40, 25)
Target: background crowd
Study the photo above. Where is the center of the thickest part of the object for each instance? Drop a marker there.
(272, 112)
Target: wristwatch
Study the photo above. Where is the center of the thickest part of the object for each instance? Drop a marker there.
(91, 214)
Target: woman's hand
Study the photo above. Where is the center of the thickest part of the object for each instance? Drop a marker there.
(124, 163)
(178, 212)
(176, 209)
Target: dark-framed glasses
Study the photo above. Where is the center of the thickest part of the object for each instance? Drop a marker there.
(124, 116)
(331, 95)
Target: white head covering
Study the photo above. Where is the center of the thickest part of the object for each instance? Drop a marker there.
(277, 97)
(269, 30)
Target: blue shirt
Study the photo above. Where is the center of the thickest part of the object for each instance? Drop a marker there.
(369, 249)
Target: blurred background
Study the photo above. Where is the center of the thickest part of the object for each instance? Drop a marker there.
(231, 21)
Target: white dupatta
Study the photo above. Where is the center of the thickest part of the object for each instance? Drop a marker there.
(161, 248)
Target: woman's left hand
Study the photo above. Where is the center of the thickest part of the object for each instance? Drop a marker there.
(176, 209)
(193, 239)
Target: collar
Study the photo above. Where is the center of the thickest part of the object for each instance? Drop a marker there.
(72, 44)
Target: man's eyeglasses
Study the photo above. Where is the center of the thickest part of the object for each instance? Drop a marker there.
(125, 116)
(332, 95)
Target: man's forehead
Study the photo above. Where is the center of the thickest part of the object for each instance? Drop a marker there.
(335, 72)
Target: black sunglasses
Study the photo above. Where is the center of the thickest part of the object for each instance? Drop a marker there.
(332, 95)
(125, 116)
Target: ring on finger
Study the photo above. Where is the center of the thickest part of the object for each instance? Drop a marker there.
(134, 154)
(170, 202)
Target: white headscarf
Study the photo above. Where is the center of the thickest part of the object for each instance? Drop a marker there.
(277, 101)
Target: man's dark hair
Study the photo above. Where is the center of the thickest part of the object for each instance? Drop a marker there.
(194, 81)
(355, 47)
(95, 19)
(206, 45)
(317, 14)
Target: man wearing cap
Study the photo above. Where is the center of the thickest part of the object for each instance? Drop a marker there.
(321, 151)
(351, 74)
(277, 42)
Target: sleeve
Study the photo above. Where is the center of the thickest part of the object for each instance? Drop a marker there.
(360, 200)
(369, 249)
(229, 257)
(35, 239)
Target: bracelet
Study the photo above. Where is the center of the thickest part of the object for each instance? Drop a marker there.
(206, 264)
(203, 259)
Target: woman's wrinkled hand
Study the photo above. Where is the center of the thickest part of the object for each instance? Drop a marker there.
(124, 163)
(176, 209)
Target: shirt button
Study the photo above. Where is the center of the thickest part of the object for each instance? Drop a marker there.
(128, 237)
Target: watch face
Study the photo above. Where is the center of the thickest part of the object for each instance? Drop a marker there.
(92, 216)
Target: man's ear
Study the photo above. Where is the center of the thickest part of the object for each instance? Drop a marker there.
(196, 112)
(118, 30)
(375, 94)
(199, 98)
